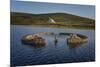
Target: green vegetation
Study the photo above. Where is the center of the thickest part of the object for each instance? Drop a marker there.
(62, 20)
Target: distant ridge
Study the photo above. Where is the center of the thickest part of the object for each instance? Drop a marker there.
(18, 18)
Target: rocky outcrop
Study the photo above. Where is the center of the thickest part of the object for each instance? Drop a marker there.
(33, 40)
(37, 39)
(77, 39)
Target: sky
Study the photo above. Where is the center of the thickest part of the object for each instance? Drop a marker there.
(40, 8)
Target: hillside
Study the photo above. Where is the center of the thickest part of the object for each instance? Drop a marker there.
(60, 18)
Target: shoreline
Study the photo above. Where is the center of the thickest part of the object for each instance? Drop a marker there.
(61, 26)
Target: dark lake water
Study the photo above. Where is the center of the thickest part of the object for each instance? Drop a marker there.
(50, 53)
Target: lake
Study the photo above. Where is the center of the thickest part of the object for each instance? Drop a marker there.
(50, 53)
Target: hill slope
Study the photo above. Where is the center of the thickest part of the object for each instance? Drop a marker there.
(60, 18)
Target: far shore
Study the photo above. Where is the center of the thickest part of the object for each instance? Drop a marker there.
(63, 26)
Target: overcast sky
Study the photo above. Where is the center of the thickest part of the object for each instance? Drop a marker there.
(37, 8)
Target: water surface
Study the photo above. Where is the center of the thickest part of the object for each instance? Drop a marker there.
(50, 53)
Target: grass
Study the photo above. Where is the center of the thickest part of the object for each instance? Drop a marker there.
(63, 20)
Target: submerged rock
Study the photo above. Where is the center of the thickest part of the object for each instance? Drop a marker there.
(75, 39)
(33, 40)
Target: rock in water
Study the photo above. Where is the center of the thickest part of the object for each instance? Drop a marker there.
(33, 40)
(76, 39)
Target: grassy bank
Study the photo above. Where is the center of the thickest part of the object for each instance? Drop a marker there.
(63, 20)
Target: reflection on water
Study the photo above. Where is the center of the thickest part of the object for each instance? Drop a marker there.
(34, 45)
(56, 39)
(56, 49)
(74, 45)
